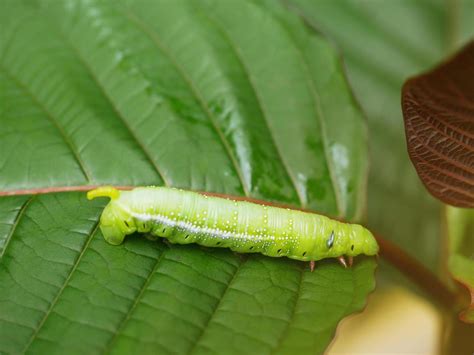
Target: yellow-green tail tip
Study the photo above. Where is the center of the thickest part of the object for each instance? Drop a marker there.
(104, 191)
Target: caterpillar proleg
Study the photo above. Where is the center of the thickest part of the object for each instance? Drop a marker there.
(185, 217)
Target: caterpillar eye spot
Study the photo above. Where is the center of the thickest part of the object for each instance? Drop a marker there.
(126, 223)
(352, 247)
(250, 248)
(304, 253)
(330, 241)
(164, 230)
(279, 251)
(187, 236)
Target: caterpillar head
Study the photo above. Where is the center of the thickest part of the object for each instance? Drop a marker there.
(371, 248)
(115, 222)
(367, 245)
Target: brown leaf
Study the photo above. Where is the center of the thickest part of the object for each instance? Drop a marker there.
(438, 109)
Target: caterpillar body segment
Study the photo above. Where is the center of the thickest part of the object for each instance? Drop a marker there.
(185, 217)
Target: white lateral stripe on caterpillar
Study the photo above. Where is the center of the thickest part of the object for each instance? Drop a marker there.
(191, 228)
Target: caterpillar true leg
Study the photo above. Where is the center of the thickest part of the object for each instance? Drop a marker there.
(342, 260)
(151, 237)
(312, 265)
(167, 242)
(351, 260)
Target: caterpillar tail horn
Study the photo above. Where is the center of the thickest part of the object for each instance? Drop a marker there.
(104, 191)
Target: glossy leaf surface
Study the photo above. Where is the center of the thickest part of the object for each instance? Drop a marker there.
(235, 97)
(168, 100)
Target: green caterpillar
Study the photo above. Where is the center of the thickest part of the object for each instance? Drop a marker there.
(185, 217)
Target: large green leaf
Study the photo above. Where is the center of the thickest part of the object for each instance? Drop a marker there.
(175, 99)
(235, 97)
(382, 47)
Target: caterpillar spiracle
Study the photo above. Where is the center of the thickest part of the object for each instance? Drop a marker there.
(186, 217)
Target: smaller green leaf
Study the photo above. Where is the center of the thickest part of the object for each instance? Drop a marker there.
(461, 252)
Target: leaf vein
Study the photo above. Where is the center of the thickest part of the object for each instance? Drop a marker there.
(216, 307)
(66, 282)
(52, 120)
(128, 315)
(286, 330)
(15, 225)
(189, 82)
(262, 107)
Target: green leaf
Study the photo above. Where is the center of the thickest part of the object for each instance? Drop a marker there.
(174, 99)
(382, 47)
(234, 97)
(461, 252)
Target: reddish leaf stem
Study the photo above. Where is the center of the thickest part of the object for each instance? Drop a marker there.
(418, 273)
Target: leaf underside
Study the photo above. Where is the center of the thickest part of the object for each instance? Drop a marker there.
(438, 109)
(230, 97)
